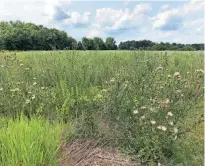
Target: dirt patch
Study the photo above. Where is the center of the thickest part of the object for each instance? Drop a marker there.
(85, 153)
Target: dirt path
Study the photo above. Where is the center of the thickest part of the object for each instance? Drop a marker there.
(84, 153)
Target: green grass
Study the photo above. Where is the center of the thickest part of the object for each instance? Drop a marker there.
(97, 92)
(29, 142)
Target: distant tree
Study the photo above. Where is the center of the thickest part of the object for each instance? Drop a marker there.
(188, 48)
(18, 35)
(99, 43)
(88, 43)
(110, 43)
(80, 46)
(2, 46)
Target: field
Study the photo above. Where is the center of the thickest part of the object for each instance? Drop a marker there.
(148, 105)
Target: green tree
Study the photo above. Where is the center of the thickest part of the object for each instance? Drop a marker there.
(110, 43)
(2, 46)
(99, 43)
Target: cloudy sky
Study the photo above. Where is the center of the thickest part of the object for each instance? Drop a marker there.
(167, 21)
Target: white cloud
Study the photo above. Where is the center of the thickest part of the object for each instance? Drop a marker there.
(94, 31)
(116, 21)
(172, 19)
(36, 11)
(165, 7)
(78, 20)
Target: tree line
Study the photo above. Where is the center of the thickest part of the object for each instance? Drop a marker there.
(17, 35)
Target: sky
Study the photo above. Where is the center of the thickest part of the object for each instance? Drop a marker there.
(158, 21)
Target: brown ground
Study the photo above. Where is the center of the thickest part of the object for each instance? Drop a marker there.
(85, 153)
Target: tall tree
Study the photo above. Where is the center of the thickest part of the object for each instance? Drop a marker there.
(99, 43)
(110, 43)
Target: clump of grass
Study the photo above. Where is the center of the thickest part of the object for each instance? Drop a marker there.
(28, 142)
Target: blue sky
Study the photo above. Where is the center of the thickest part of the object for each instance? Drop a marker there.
(167, 21)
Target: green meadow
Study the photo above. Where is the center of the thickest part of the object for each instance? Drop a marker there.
(147, 103)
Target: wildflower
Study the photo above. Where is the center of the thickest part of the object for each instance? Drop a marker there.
(14, 90)
(33, 97)
(143, 107)
(112, 80)
(188, 73)
(169, 76)
(199, 71)
(2, 66)
(135, 112)
(99, 96)
(21, 64)
(175, 130)
(142, 117)
(34, 83)
(152, 122)
(117, 74)
(164, 103)
(171, 123)
(176, 74)
(178, 91)
(27, 101)
(159, 164)
(104, 90)
(169, 114)
(163, 128)
(29, 92)
(175, 137)
(152, 109)
(42, 88)
(34, 78)
(1, 89)
(159, 68)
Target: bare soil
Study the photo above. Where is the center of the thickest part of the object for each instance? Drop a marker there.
(86, 153)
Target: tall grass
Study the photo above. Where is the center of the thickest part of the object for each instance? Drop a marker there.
(28, 142)
(140, 100)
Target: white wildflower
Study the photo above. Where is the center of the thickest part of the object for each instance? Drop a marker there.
(21, 64)
(135, 112)
(169, 76)
(14, 90)
(163, 128)
(34, 78)
(159, 68)
(175, 130)
(169, 114)
(171, 123)
(153, 122)
(42, 88)
(178, 91)
(104, 90)
(33, 97)
(143, 107)
(142, 117)
(1, 89)
(27, 101)
(176, 74)
(34, 83)
(29, 92)
(112, 80)
(2, 66)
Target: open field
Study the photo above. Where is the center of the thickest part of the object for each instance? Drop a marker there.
(148, 105)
